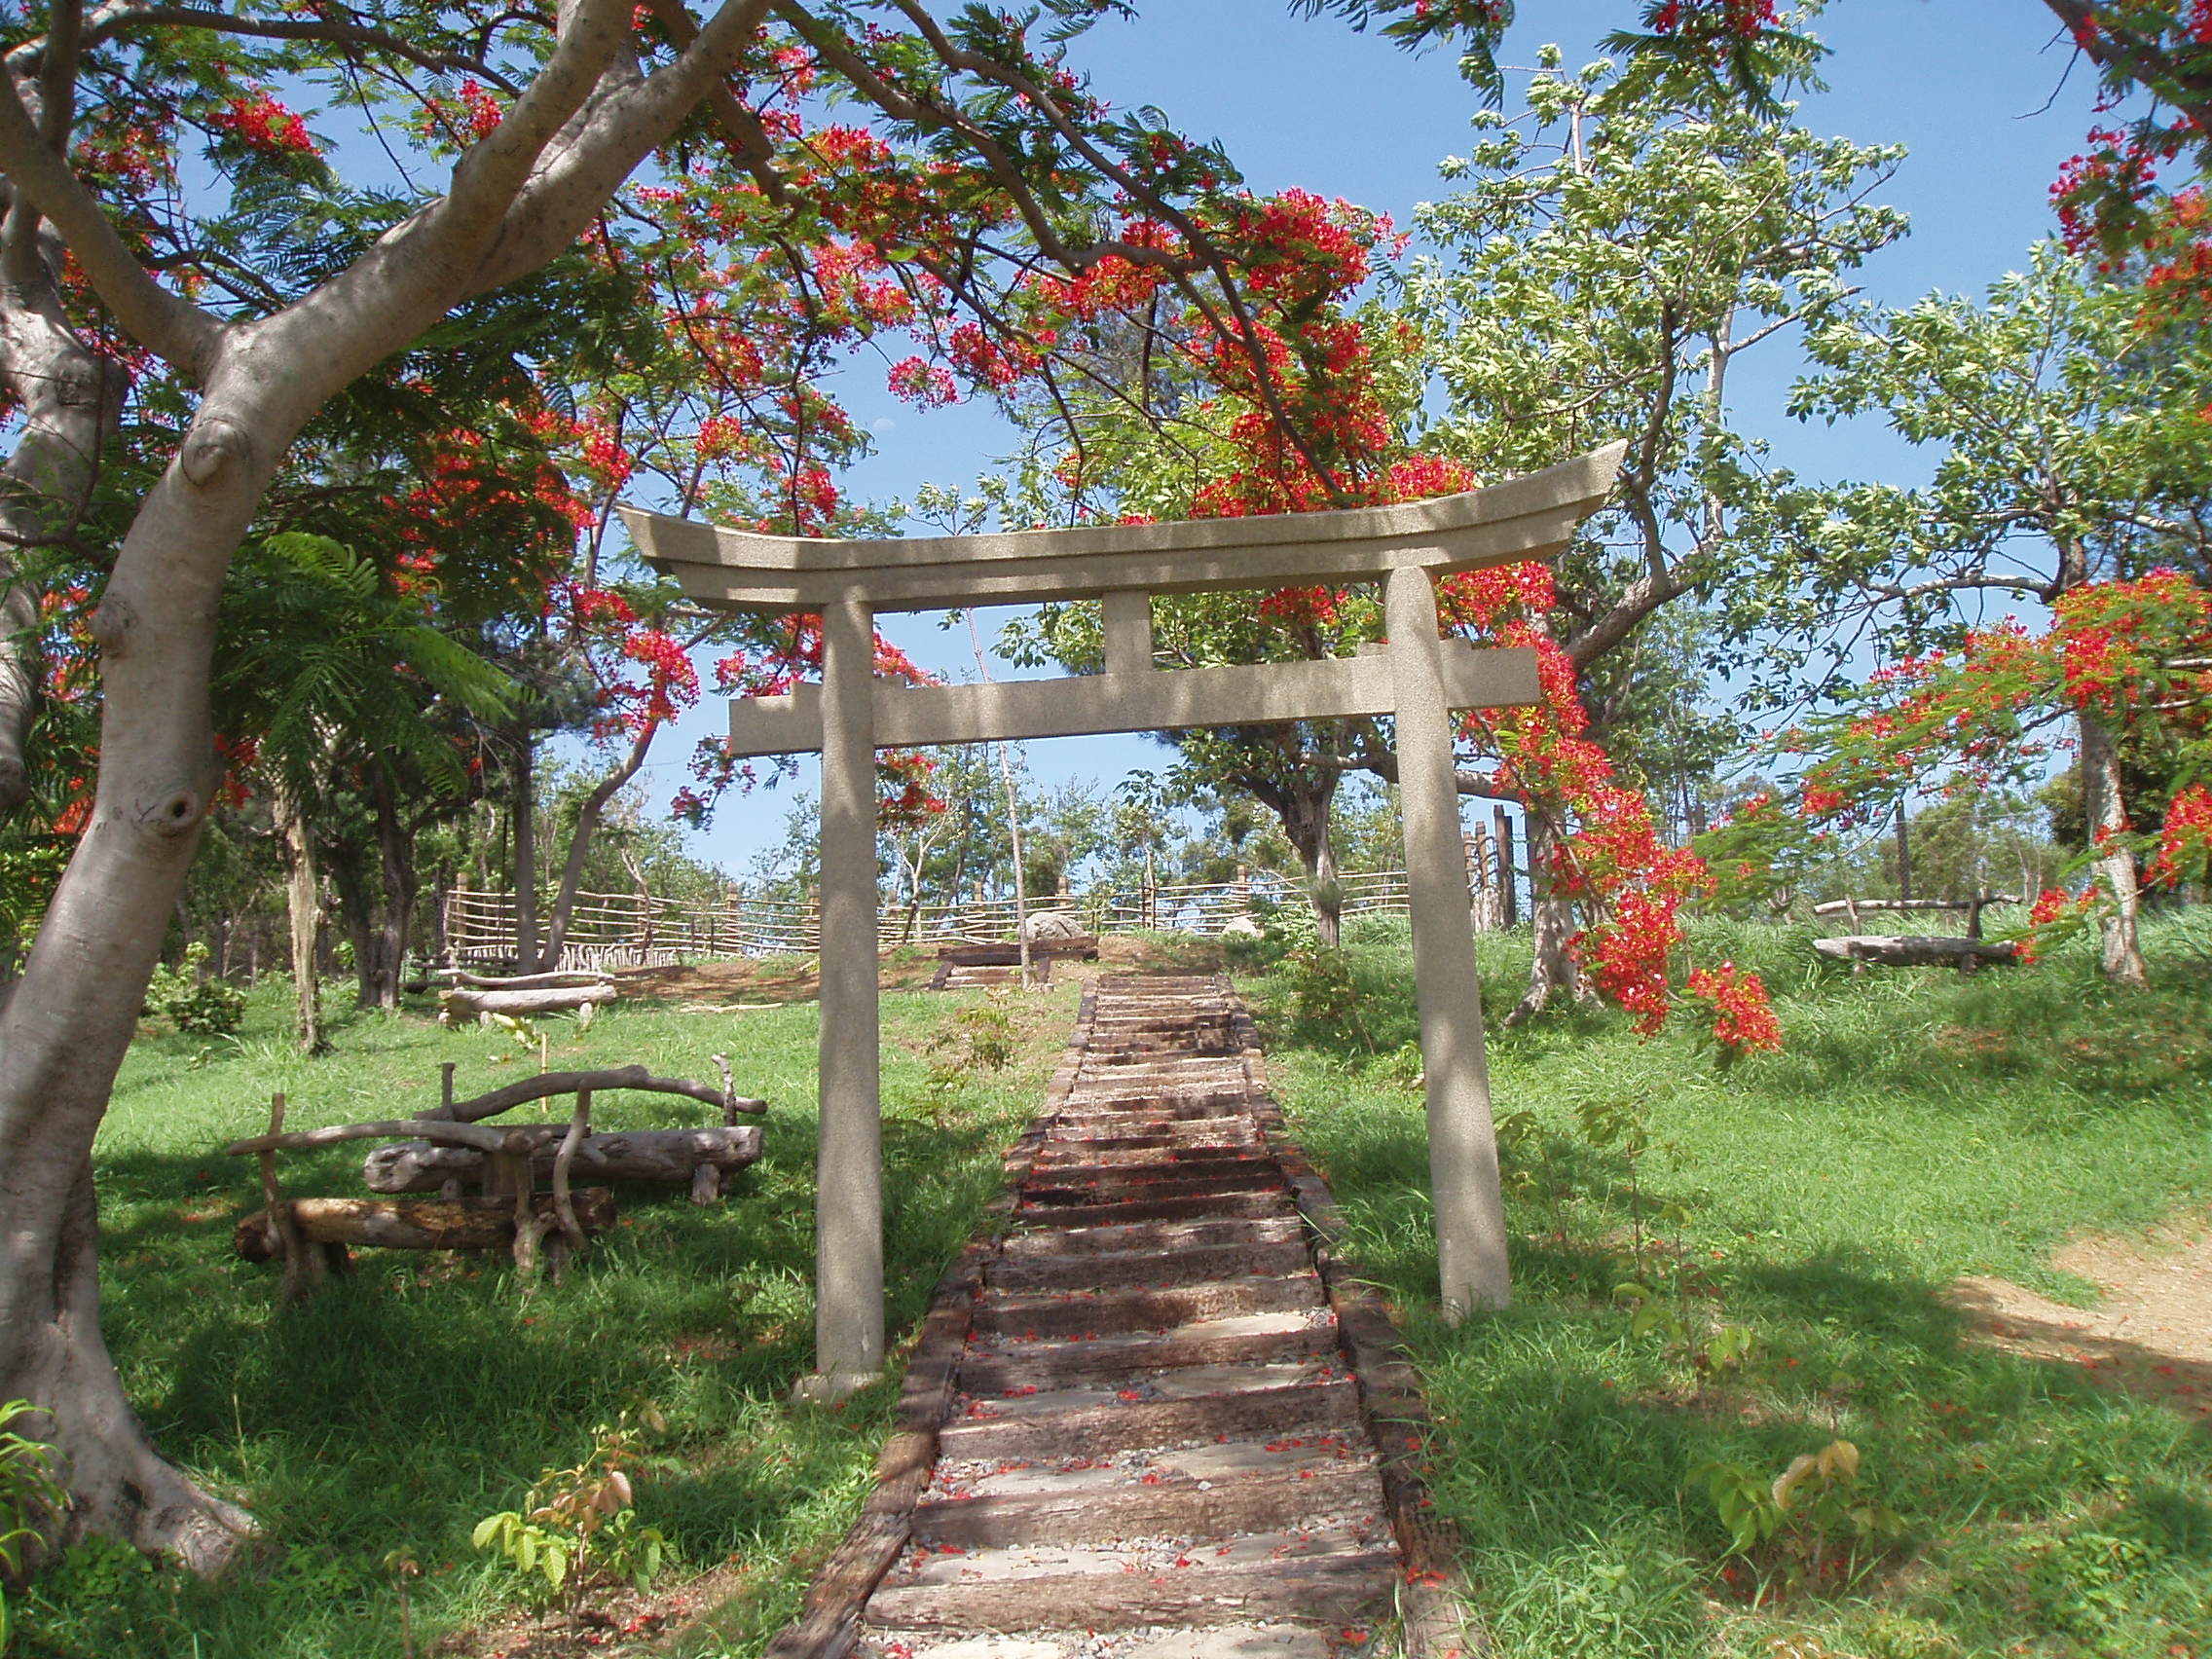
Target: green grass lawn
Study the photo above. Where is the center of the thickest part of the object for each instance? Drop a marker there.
(1918, 1127)
(426, 1393)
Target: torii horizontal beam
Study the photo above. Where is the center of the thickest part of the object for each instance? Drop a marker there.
(1501, 523)
(1260, 694)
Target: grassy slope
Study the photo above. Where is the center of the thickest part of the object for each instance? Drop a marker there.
(403, 1406)
(1919, 1126)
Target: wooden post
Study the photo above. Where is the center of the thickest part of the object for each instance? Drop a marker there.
(1463, 1146)
(1508, 895)
(848, 1320)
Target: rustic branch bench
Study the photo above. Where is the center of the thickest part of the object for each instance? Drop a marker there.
(312, 1236)
(1917, 950)
(447, 1146)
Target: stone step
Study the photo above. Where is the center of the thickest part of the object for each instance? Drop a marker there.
(1108, 1313)
(1203, 1206)
(982, 1592)
(1161, 1236)
(1280, 1337)
(1100, 1270)
(1303, 1408)
(1177, 1506)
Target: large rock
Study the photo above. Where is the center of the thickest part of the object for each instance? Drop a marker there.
(1053, 924)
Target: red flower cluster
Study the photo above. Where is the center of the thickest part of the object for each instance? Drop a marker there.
(262, 124)
(2185, 840)
(2054, 913)
(1742, 1015)
(1740, 19)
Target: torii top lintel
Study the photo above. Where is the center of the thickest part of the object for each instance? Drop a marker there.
(1531, 517)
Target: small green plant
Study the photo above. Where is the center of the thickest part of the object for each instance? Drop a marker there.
(31, 1495)
(1813, 1515)
(976, 1039)
(578, 1528)
(1322, 990)
(195, 1004)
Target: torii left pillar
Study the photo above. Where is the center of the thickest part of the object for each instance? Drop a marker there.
(848, 1226)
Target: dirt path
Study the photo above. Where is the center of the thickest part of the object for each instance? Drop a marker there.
(2150, 1333)
(1152, 1437)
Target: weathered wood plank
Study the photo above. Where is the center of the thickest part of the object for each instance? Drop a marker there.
(1117, 1311)
(414, 1224)
(1336, 1589)
(1087, 1430)
(1180, 1507)
(1064, 1364)
(671, 1155)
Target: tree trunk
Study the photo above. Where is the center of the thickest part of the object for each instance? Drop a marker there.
(524, 812)
(395, 848)
(304, 904)
(2105, 810)
(1304, 810)
(68, 402)
(1553, 972)
(588, 815)
(67, 1028)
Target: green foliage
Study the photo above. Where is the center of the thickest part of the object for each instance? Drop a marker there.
(328, 663)
(980, 1038)
(578, 1528)
(28, 875)
(1813, 1515)
(1617, 258)
(192, 1000)
(31, 1499)
(1322, 989)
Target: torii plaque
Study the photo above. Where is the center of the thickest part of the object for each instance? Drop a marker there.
(1417, 679)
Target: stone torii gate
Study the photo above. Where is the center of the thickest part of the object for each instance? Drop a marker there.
(1417, 679)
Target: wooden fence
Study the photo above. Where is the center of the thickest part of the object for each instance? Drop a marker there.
(638, 930)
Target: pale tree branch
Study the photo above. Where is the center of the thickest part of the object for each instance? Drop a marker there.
(113, 20)
(165, 324)
(616, 134)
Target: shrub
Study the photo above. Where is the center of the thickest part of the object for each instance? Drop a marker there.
(195, 1005)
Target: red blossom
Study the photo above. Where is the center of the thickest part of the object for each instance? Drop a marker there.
(1742, 1020)
(262, 124)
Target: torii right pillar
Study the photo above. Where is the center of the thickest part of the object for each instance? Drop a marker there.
(1463, 1143)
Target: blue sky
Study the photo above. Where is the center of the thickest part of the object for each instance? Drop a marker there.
(1978, 89)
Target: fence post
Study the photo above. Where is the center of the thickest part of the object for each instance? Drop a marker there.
(1508, 895)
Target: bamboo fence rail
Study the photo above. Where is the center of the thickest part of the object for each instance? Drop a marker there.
(640, 930)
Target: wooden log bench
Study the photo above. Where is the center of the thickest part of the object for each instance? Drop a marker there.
(701, 1158)
(1918, 950)
(449, 1145)
(313, 1238)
